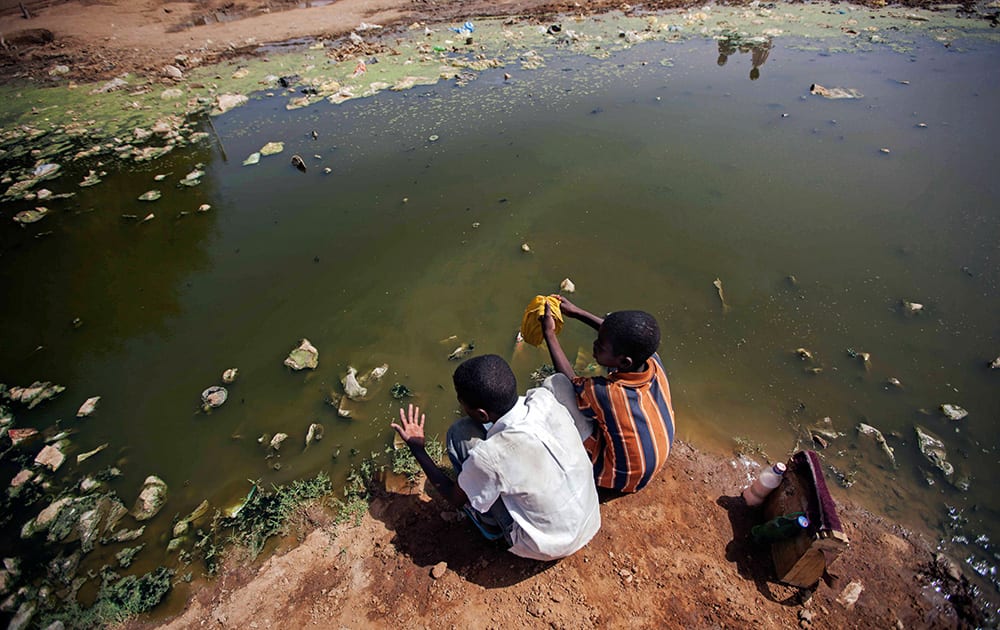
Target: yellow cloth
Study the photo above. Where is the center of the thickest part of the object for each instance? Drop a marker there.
(531, 325)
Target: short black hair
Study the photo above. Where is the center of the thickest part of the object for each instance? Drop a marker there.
(634, 334)
(486, 382)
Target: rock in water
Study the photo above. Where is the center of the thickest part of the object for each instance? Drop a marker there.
(278, 439)
(229, 376)
(51, 457)
(933, 449)
(151, 499)
(567, 286)
(875, 434)
(315, 433)
(304, 356)
(214, 396)
(954, 412)
(352, 387)
(88, 407)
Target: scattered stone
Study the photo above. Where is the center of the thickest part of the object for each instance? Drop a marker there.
(57, 70)
(875, 434)
(304, 356)
(88, 407)
(111, 86)
(995, 364)
(912, 308)
(849, 596)
(82, 457)
(25, 217)
(439, 569)
(214, 397)
(193, 178)
(20, 436)
(342, 409)
(204, 207)
(91, 179)
(804, 354)
(150, 195)
(241, 73)
(953, 412)
(314, 434)
(22, 478)
(461, 352)
(151, 499)
(352, 387)
(171, 94)
(894, 382)
(278, 439)
(226, 102)
(51, 457)
(127, 535)
(173, 72)
(884, 150)
(567, 286)
(526, 248)
(933, 449)
(25, 613)
(229, 376)
(272, 148)
(49, 514)
(834, 93)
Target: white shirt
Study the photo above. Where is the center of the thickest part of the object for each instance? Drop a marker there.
(534, 459)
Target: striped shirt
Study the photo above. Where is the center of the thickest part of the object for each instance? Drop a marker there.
(634, 425)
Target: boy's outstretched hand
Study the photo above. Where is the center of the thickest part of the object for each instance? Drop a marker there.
(568, 308)
(411, 427)
(548, 321)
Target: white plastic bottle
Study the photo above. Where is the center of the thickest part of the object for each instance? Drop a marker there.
(763, 485)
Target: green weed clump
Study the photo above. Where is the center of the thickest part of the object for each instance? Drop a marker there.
(404, 463)
(267, 512)
(117, 600)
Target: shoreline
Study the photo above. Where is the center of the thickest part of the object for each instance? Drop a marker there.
(674, 555)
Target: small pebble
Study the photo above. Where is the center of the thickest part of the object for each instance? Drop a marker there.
(884, 150)
(439, 570)
(204, 207)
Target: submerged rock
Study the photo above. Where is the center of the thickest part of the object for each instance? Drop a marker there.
(352, 387)
(305, 356)
(82, 457)
(314, 434)
(875, 434)
(461, 352)
(88, 407)
(911, 308)
(26, 217)
(933, 449)
(254, 158)
(214, 397)
(151, 499)
(953, 412)
(567, 286)
(150, 195)
(35, 393)
(51, 457)
(995, 364)
(229, 376)
(226, 102)
(272, 148)
(277, 440)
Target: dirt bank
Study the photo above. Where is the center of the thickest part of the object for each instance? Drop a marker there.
(672, 556)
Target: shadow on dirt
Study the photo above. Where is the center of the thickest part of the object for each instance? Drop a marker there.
(753, 561)
(425, 537)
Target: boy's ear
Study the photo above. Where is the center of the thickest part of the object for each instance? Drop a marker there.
(625, 363)
(480, 415)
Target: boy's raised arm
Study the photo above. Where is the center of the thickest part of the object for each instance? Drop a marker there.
(411, 429)
(559, 360)
(572, 310)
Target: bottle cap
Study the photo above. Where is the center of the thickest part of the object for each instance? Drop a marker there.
(802, 521)
(779, 468)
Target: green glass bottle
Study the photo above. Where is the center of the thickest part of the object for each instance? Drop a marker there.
(780, 527)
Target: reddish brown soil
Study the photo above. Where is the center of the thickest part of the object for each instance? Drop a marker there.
(673, 556)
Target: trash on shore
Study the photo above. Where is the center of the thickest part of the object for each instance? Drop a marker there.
(88, 407)
(567, 286)
(834, 93)
(304, 356)
(352, 388)
(953, 412)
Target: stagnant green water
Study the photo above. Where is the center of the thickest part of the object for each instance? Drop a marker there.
(643, 178)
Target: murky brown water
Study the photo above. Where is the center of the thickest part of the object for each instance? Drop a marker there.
(642, 183)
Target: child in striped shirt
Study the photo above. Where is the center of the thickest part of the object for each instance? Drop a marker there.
(633, 420)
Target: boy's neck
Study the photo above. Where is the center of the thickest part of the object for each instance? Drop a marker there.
(642, 368)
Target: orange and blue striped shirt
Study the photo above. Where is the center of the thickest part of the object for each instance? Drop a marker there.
(633, 425)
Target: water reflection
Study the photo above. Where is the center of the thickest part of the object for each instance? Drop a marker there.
(759, 50)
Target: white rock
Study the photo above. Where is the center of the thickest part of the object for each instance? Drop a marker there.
(278, 439)
(352, 387)
(173, 72)
(88, 407)
(954, 412)
(304, 356)
(567, 286)
(51, 457)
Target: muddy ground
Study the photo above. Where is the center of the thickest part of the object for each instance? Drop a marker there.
(673, 556)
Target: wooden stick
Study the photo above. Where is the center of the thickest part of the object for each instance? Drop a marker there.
(219, 138)
(24, 11)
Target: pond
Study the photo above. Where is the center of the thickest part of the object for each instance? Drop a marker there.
(644, 178)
